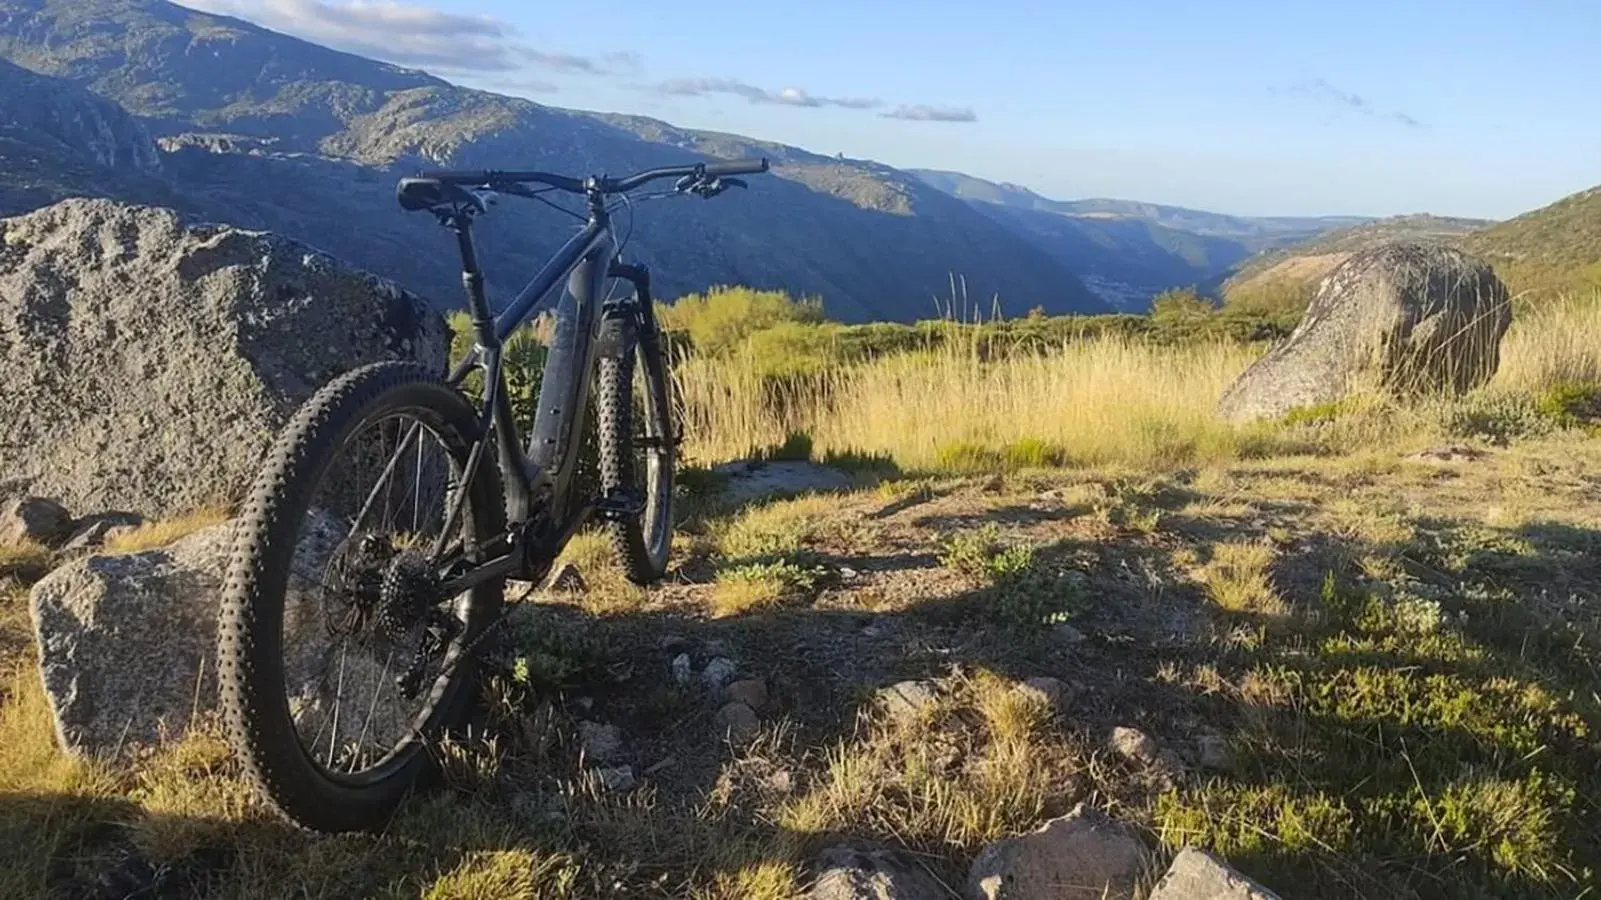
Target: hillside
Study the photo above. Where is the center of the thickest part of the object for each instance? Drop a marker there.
(57, 139)
(1127, 250)
(263, 130)
(1314, 258)
(1551, 250)
(1253, 232)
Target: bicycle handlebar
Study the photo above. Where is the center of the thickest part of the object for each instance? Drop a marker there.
(492, 178)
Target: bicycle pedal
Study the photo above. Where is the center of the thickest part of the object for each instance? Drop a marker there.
(619, 508)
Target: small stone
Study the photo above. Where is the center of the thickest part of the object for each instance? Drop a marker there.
(1134, 744)
(568, 580)
(781, 782)
(847, 573)
(718, 672)
(1053, 691)
(737, 721)
(849, 873)
(601, 743)
(681, 670)
(1067, 634)
(1212, 752)
(1080, 856)
(751, 691)
(618, 778)
(907, 700)
(1449, 453)
(35, 519)
(92, 531)
(1198, 875)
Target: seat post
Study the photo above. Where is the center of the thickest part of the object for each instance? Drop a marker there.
(472, 279)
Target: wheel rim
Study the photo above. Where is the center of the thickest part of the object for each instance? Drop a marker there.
(357, 607)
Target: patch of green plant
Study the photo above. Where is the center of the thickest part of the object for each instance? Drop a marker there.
(1496, 417)
(1024, 453)
(1254, 820)
(1319, 413)
(1021, 590)
(1571, 405)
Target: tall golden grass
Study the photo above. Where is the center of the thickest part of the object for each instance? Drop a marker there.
(1110, 400)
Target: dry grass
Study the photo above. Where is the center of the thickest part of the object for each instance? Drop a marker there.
(1239, 579)
(152, 535)
(978, 765)
(1552, 344)
(1108, 401)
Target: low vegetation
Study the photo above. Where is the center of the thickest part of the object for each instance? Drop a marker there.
(1369, 674)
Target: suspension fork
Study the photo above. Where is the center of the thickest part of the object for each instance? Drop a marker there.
(645, 309)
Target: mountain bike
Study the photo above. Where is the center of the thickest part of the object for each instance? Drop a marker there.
(374, 547)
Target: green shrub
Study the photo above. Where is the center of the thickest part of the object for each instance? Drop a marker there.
(1571, 405)
(720, 320)
(1496, 417)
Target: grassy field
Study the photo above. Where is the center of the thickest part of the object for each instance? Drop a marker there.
(1370, 674)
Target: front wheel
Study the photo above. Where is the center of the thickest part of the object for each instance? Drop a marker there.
(340, 660)
(636, 448)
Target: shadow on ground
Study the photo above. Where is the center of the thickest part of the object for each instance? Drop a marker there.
(1409, 704)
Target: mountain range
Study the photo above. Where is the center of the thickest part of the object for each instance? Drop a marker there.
(151, 102)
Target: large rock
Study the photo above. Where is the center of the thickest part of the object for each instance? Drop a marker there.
(1198, 875)
(147, 363)
(1080, 856)
(127, 644)
(1406, 318)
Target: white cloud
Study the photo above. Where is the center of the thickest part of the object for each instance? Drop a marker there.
(410, 34)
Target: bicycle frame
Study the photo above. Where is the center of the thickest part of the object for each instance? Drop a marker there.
(545, 472)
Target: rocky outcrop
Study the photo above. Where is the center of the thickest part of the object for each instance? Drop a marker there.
(1404, 318)
(127, 644)
(147, 363)
(74, 119)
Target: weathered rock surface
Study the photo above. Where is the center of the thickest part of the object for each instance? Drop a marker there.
(1080, 856)
(1406, 318)
(849, 873)
(127, 644)
(148, 363)
(1198, 875)
(35, 519)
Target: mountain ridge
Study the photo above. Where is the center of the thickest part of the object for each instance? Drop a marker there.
(260, 129)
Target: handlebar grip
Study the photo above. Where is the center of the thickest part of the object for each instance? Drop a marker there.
(737, 167)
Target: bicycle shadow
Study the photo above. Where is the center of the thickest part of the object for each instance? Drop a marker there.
(709, 813)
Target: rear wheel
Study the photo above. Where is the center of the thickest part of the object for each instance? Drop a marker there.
(339, 661)
(636, 448)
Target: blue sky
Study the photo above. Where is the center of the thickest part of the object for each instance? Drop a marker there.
(1358, 107)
